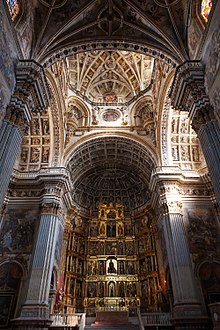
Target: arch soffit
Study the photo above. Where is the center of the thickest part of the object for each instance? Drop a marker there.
(128, 136)
(56, 118)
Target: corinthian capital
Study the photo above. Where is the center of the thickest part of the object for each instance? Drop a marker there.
(171, 207)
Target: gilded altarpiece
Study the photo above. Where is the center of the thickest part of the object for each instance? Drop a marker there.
(115, 266)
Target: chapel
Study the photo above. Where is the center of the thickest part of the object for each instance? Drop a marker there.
(110, 164)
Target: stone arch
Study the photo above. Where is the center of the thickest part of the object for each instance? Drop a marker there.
(209, 275)
(11, 274)
(101, 165)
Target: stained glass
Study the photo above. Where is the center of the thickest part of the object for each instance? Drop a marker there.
(206, 7)
(13, 6)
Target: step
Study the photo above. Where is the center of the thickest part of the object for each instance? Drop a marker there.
(119, 327)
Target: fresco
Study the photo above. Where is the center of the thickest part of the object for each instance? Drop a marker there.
(203, 234)
(18, 231)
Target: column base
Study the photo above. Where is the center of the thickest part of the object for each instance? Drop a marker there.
(33, 317)
(190, 317)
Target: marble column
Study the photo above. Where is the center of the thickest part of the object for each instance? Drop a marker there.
(10, 142)
(208, 131)
(35, 312)
(187, 309)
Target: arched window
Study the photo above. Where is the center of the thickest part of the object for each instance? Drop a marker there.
(205, 8)
(13, 6)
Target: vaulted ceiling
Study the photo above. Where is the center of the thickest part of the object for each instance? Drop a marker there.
(158, 24)
(111, 168)
(119, 75)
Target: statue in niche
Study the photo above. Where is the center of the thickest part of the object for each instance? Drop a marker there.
(130, 248)
(91, 290)
(130, 268)
(121, 267)
(101, 248)
(92, 268)
(101, 267)
(111, 267)
(111, 229)
(78, 289)
(95, 111)
(120, 248)
(111, 289)
(174, 125)
(72, 286)
(102, 229)
(121, 289)
(120, 230)
(101, 290)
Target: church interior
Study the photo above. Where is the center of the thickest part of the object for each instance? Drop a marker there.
(110, 164)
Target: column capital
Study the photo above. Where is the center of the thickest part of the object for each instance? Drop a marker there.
(188, 89)
(202, 117)
(16, 116)
(172, 207)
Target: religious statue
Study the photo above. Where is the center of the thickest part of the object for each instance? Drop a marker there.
(111, 267)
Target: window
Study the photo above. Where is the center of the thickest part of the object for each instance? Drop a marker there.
(13, 6)
(205, 9)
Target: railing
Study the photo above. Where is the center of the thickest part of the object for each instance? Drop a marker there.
(140, 320)
(155, 319)
(68, 320)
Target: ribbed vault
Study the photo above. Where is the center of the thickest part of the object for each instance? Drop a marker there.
(110, 169)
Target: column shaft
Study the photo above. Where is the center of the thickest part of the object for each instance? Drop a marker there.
(209, 137)
(179, 259)
(10, 142)
(43, 260)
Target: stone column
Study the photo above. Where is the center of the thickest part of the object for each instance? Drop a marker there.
(35, 311)
(10, 142)
(188, 93)
(31, 94)
(187, 310)
(208, 131)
